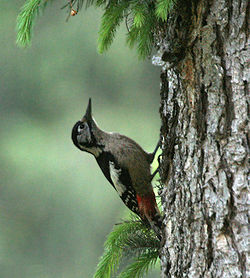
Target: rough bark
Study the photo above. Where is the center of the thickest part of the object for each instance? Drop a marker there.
(203, 54)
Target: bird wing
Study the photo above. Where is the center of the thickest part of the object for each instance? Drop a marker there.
(120, 179)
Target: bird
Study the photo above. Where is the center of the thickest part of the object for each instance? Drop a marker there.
(125, 165)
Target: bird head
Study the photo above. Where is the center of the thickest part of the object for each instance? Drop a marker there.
(82, 132)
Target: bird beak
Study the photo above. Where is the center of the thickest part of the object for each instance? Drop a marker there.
(88, 113)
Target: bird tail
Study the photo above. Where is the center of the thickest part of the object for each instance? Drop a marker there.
(149, 211)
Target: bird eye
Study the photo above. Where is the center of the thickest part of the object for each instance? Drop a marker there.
(82, 126)
(79, 129)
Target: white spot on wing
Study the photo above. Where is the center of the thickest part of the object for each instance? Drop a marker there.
(114, 174)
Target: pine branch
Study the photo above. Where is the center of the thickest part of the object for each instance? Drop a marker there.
(25, 21)
(145, 17)
(110, 260)
(130, 238)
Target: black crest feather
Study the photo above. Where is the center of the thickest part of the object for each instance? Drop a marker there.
(88, 114)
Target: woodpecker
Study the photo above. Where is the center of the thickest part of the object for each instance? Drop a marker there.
(124, 164)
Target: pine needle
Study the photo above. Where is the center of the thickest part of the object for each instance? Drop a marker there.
(142, 36)
(25, 21)
(139, 14)
(141, 266)
(108, 264)
(162, 8)
(111, 20)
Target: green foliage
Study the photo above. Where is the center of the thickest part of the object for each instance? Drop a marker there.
(142, 37)
(140, 266)
(111, 19)
(162, 9)
(25, 21)
(142, 17)
(129, 239)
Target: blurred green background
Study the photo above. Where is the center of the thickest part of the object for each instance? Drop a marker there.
(56, 207)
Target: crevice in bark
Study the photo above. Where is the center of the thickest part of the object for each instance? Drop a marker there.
(181, 19)
(168, 130)
(246, 91)
(210, 249)
(206, 13)
(201, 114)
(245, 24)
(227, 87)
(230, 13)
(168, 269)
(218, 147)
(231, 207)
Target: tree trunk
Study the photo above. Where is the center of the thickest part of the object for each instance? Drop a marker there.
(204, 139)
